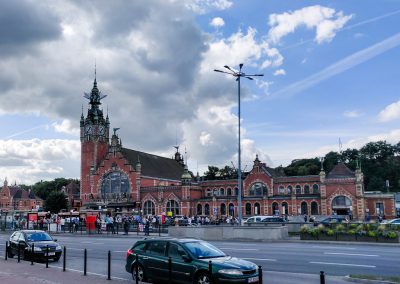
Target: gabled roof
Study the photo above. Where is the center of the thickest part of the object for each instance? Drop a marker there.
(273, 172)
(154, 166)
(341, 171)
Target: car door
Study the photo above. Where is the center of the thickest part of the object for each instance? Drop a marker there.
(182, 269)
(156, 261)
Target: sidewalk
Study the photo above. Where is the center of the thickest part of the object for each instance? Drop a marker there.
(12, 272)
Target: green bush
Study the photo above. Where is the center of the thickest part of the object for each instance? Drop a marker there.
(304, 229)
(353, 226)
(372, 234)
(340, 228)
(314, 232)
(321, 227)
(351, 232)
(391, 235)
(330, 232)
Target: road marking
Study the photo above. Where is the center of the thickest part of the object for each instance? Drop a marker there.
(261, 259)
(333, 248)
(91, 273)
(236, 249)
(120, 251)
(92, 243)
(350, 254)
(343, 264)
(74, 249)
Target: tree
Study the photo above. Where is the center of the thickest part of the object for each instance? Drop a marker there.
(211, 173)
(56, 201)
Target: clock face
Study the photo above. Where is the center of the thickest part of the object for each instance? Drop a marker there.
(101, 130)
(88, 129)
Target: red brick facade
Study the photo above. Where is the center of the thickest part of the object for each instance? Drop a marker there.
(125, 179)
(14, 198)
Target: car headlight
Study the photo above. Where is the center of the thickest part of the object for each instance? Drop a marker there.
(38, 249)
(58, 247)
(231, 271)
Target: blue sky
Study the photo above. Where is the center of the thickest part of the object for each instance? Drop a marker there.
(330, 71)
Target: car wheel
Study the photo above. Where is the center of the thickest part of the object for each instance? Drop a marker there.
(141, 275)
(203, 278)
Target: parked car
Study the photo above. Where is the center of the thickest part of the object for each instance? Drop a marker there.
(331, 220)
(190, 261)
(392, 222)
(40, 240)
(273, 219)
(255, 219)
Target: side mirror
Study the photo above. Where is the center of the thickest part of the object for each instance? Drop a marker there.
(21, 243)
(54, 240)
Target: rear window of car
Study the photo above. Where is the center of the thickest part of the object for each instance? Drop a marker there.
(140, 247)
(157, 248)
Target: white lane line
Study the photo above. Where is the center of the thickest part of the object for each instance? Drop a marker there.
(333, 248)
(342, 264)
(261, 259)
(74, 249)
(352, 254)
(236, 249)
(92, 243)
(120, 251)
(91, 273)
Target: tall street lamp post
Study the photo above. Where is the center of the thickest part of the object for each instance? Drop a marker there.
(239, 74)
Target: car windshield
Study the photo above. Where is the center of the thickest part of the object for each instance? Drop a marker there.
(38, 237)
(204, 250)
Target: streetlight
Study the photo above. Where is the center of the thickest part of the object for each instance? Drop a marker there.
(239, 74)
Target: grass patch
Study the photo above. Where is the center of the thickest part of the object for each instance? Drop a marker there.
(395, 279)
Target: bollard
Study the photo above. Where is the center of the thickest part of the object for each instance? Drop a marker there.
(169, 270)
(260, 275)
(64, 258)
(32, 253)
(6, 251)
(137, 229)
(19, 253)
(84, 262)
(210, 271)
(109, 266)
(137, 269)
(47, 256)
(322, 277)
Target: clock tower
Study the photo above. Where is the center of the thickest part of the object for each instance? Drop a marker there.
(94, 140)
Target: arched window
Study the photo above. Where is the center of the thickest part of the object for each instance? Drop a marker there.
(223, 209)
(289, 189)
(257, 189)
(298, 189)
(281, 189)
(216, 192)
(229, 191)
(341, 201)
(149, 208)
(173, 206)
(275, 209)
(248, 209)
(221, 191)
(115, 184)
(257, 210)
(207, 209)
(285, 208)
(231, 209)
(314, 208)
(208, 192)
(304, 209)
(199, 209)
(315, 188)
(306, 189)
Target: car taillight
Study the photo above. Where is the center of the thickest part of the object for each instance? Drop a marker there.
(128, 253)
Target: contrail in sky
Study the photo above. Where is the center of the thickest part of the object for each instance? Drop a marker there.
(26, 131)
(341, 66)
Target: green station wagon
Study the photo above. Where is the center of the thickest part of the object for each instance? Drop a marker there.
(189, 263)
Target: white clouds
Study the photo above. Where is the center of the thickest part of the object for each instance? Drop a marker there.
(28, 161)
(352, 113)
(279, 72)
(202, 6)
(67, 127)
(217, 22)
(325, 20)
(391, 112)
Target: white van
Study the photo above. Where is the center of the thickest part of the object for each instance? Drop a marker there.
(255, 219)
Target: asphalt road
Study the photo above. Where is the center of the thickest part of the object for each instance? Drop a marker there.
(283, 260)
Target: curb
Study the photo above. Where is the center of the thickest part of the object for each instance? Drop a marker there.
(361, 280)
